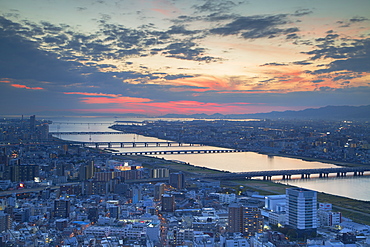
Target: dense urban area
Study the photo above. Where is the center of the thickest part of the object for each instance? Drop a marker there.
(59, 193)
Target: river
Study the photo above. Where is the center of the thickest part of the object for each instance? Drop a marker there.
(351, 187)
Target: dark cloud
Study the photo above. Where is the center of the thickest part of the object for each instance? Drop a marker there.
(187, 51)
(302, 12)
(354, 56)
(317, 81)
(302, 63)
(253, 27)
(217, 6)
(358, 19)
(274, 64)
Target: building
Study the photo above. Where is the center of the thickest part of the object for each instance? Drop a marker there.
(168, 203)
(20, 173)
(177, 180)
(244, 219)
(5, 221)
(301, 210)
(160, 173)
(61, 208)
(158, 191)
(275, 203)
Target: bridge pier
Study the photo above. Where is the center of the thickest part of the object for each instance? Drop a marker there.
(96, 145)
(287, 176)
(122, 145)
(109, 144)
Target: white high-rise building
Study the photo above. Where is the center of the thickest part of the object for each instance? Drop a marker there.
(301, 209)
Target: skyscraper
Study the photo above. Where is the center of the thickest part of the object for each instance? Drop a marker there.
(245, 219)
(301, 210)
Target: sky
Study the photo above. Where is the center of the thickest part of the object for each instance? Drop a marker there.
(154, 57)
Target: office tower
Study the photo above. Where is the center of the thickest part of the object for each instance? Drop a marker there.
(244, 219)
(32, 123)
(168, 203)
(158, 191)
(61, 208)
(301, 210)
(177, 180)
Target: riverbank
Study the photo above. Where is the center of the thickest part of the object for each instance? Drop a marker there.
(358, 211)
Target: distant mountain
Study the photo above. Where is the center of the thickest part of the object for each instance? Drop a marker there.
(328, 112)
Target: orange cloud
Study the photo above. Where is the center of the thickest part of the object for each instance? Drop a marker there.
(5, 81)
(117, 100)
(24, 86)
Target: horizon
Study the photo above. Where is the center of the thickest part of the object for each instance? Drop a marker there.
(172, 57)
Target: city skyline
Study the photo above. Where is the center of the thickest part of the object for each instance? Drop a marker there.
(159, 57)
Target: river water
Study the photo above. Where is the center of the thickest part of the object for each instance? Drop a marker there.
(352, 187)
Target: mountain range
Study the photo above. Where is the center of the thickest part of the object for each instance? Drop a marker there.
(324, 113)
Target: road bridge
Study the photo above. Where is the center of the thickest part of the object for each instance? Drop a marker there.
(287, 174)
(88, 133)
(213, 151)
(136, 144)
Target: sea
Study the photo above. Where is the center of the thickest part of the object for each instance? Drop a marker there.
(349, 186)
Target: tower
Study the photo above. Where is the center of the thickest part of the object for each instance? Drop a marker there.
(301, 210)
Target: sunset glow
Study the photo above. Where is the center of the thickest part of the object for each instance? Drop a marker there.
(159, 57)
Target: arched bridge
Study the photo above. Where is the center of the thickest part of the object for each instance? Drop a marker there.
(287, 174)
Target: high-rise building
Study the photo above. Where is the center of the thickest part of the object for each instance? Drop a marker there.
(301, 210)
(168, 203)
(245, 219)
(160, 173)
(177, 180)
(61, 208)
(158, 191)
(5, 221)
(32, 123)
(87, 170)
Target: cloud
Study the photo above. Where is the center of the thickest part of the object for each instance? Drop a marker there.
(217, 6)
(354, 56)
(95, 94)
(253, 27)
(25, 87)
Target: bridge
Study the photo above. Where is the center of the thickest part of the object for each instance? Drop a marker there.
(181, 152)
(135, 144)
(87, 133)
(287, 174)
